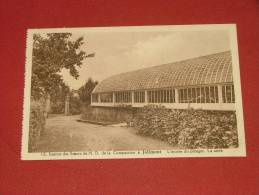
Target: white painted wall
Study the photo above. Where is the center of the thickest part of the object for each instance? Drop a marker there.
(207, 106)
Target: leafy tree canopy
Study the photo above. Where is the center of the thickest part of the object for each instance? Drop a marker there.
(86, 90)
(50, 55)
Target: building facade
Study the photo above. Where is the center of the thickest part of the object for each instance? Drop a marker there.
(201, 83)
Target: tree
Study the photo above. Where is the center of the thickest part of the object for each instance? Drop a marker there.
(50, 55)
(86, 91)
(58, 99)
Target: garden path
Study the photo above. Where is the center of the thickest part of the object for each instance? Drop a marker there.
(64, 133)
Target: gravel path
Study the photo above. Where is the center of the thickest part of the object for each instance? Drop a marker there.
(64, 133)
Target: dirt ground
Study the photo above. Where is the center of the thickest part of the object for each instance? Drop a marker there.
(64, 133)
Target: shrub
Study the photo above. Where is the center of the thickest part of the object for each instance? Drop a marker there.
(157, 121)
(74, 106)
(188, 128)
(208, 129)
(58, 107)
(37, 124)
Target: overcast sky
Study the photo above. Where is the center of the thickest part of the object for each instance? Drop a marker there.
(117, 52)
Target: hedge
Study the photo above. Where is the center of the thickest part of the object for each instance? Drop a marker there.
(188, 129)
(37, 124)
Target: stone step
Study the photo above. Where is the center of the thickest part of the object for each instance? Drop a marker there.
(96, 122)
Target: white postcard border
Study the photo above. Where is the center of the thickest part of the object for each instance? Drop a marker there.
(237, 152)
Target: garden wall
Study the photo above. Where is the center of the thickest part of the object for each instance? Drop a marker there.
(108, 114)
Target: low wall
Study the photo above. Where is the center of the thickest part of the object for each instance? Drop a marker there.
(180, 106)
(109, 114)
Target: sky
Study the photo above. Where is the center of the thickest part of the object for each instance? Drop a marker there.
(117, 52)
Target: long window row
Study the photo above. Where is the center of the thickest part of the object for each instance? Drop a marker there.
(123, 97)
(207, 94)
(95, 98)
(161, 96)
(201, 94)
(139, 96)
(106, 97)
(228, 94)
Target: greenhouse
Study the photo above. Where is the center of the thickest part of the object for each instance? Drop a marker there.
(204, 82)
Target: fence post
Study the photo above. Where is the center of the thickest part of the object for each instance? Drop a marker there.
(67, 105)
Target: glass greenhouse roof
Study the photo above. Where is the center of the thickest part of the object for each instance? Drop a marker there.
(210, 69)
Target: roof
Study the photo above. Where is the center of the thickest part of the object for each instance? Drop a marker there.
(210, 69)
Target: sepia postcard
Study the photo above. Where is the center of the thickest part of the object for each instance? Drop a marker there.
(132, 92)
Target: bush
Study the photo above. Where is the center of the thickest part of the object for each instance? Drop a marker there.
(37, 124)
(188, 128)
(58, 107)
(74, 106)
(157, 121)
